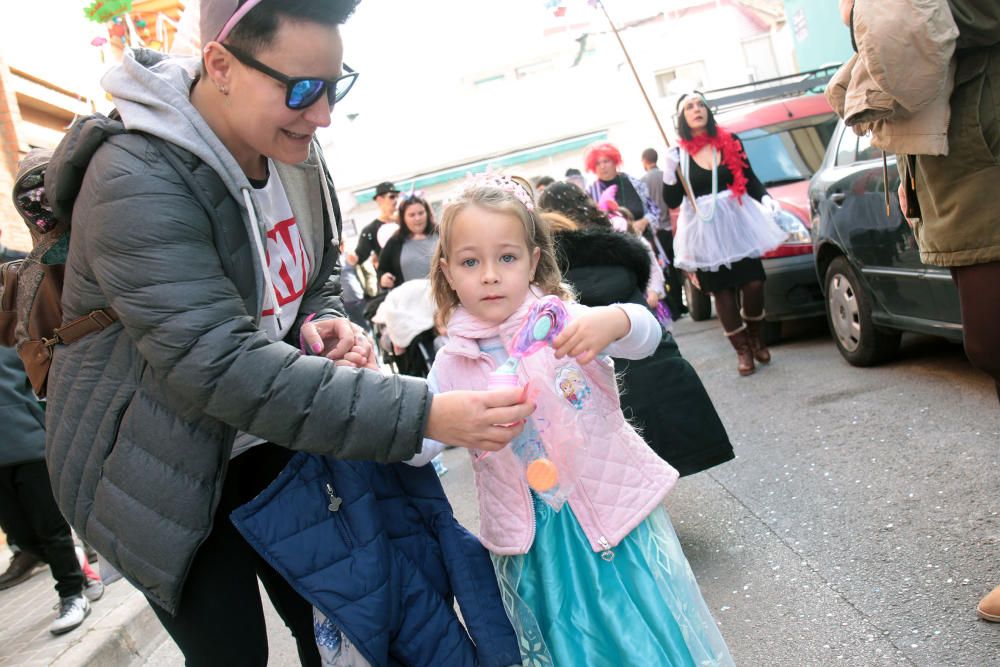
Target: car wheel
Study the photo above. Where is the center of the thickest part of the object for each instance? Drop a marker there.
(699, 304)
(849, 314)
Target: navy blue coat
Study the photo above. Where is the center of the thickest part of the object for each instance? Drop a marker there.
(377, 549)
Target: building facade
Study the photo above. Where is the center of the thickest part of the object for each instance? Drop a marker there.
(571, 80)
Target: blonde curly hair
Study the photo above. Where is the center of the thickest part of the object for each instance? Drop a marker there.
(537, 234)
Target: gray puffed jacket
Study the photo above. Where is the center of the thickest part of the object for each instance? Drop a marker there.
(142, 415)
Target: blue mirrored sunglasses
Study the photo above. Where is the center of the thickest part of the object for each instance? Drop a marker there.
(301, 92)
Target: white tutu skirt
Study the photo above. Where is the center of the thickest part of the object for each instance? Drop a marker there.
(736, 230)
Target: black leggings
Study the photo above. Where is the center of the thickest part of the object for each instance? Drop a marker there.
(221, 619)
(727, 304)
(979, 293)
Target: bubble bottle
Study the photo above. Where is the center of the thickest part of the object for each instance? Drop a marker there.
(544, 322)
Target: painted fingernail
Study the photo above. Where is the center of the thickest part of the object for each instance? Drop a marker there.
(317, 347)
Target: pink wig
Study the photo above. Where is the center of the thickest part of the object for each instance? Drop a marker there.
(598, 151)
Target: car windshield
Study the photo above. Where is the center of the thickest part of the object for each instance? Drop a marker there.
(788, 152)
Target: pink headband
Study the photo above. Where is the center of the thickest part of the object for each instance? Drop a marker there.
(490, 179)
(236, 18)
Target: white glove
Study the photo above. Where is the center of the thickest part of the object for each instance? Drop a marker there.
(671, 160)
(771, 204)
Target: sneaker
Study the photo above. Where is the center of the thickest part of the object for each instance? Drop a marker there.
(72, 611)
(93, 589)
(22, 566)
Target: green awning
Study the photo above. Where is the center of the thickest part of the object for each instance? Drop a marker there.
(422, 181)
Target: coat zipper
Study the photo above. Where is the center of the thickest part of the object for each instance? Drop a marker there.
(334, 507)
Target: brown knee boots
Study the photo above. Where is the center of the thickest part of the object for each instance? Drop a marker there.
(744, 354)
(754, 326)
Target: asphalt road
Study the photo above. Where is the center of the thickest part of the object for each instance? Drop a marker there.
(859, 523)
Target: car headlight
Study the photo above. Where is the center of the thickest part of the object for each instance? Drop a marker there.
(797, 232)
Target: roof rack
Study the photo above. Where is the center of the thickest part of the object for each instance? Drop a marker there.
(781, 86)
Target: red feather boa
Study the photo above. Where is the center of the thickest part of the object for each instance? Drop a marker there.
(733, 157)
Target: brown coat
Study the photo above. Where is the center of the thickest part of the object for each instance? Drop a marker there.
(959, 225)
(898, 88)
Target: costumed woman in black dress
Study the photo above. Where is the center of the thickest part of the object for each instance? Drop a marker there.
(661, 395)
(721, 242)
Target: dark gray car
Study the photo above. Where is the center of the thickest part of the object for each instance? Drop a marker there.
(869, 267)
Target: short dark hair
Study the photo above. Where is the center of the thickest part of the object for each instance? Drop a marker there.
(544, 181)
(650, 156)
(257, 29)
(404, 231)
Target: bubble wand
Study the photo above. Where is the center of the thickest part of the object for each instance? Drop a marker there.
(546, 320)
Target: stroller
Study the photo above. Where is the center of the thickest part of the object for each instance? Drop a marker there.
(404, 320)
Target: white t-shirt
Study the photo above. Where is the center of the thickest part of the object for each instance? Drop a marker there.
(289, 266)
(286, 256)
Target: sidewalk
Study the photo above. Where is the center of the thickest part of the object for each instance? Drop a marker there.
(120, 630)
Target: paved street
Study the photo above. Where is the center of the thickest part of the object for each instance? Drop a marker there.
(858, 524)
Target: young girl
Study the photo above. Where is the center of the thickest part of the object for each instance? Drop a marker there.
(602, 579)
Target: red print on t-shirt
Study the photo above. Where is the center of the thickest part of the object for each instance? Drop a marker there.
(290, 267)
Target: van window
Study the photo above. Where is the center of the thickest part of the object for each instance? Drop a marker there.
(788, 152)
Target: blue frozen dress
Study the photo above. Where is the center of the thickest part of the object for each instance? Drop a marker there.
(637, 605)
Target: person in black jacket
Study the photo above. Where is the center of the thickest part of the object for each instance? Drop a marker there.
(407, 253)
(661, 395)
(406, 256)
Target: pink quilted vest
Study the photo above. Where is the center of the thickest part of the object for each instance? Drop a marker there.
(619, 480)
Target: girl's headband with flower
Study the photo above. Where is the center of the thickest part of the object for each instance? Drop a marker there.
(515, 185)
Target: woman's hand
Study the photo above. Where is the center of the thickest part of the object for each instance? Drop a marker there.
(904, 205)
(587, 335)
(652, 299)
(472, 419)
(387, 280)
(671, 160)
(693, 278)
(771, 204)
(341, 341)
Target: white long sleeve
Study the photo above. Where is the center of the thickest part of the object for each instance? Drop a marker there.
(643, 337)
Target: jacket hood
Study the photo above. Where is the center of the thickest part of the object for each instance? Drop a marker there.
(594, 246)
(152, 92)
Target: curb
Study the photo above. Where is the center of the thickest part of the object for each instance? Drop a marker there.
(125, 637)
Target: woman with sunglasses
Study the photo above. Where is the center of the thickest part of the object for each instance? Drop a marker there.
(206, 222)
